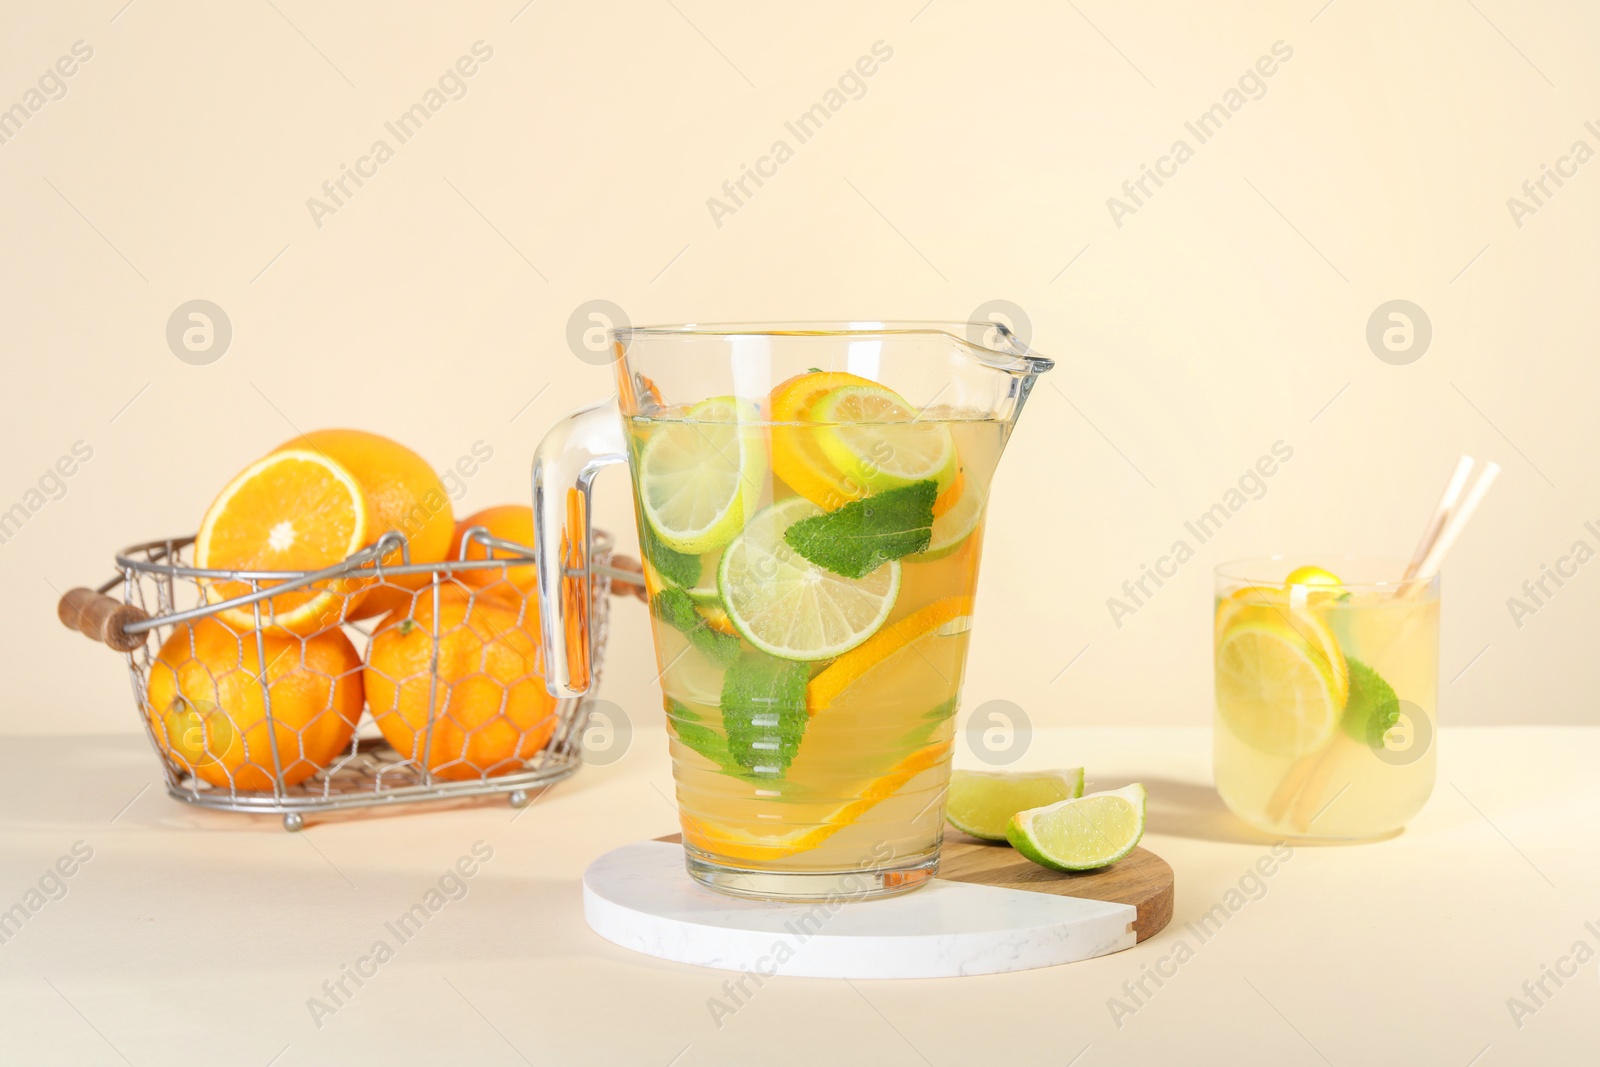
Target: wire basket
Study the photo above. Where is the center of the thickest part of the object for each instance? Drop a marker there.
(427, 683)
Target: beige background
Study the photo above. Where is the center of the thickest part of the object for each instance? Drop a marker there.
(1227, 313)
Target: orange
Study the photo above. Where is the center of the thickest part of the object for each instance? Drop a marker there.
(509, 522)
(205, 708)
(890, 641)
(492, 708)
(403, 494)
(294, 510)
(797, 458)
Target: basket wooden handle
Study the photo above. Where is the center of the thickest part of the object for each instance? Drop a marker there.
(101, 618)
(625, 588)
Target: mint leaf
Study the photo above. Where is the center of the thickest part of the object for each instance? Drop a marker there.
(673, 607)
(676, 567)
(764, 712)
(694, 731)
(863, 535)
(1373, 709)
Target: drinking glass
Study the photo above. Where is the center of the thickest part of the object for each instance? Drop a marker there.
(1326, 695)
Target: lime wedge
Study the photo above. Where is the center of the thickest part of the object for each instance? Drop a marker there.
(1275, 689)
(789, 607)
(1081, 834)
(954, 526)
(981, 803)
(876, 439)
(699, 478)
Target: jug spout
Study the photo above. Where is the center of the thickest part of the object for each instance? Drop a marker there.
(995, 345)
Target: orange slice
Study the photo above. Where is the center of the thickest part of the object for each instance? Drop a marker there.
(797, 457)
(717, 618)
(742, 845)
(952, 493)
(294, 510)
(886, 650)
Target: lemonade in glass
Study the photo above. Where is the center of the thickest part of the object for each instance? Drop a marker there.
(1326, 695)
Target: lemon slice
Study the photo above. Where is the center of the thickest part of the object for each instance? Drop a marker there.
(1279, 606)
(952, 527)
(1081, 834)
(876, 439)
(1309, 586)
(981, 803)
(699, 478)
(1311, 576)
(1275, 690)
(789, 607)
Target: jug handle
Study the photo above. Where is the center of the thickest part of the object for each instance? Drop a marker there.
(564, 467)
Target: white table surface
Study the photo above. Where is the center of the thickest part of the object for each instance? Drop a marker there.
(197, 938)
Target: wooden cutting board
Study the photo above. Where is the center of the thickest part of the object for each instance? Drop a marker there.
(1141, 878)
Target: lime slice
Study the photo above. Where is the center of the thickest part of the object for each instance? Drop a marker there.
(1081, 834)
(875, 439)
(953, 527)
(981, 803)
(788, 606)
(1275, 689)
(705, 590)
(699, 478)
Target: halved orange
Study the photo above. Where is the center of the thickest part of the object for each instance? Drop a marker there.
(403, 493)
(294, 510)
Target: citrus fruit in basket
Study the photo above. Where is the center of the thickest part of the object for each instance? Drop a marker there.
(403, 493)
(509, 522)
(206, 709)
(294, 510)
(490, 705)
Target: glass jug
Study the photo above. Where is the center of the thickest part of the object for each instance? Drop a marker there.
(810, 502)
